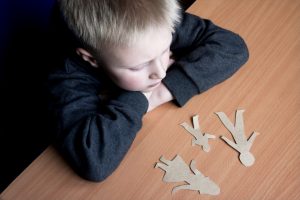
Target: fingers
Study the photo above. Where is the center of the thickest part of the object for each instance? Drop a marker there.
(147, 94)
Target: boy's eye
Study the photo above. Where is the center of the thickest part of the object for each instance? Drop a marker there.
(138, 68)
(135, 69)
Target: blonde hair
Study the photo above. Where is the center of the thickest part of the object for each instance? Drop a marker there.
(117, 22)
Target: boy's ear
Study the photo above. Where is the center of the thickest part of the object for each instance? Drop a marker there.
(85, 55)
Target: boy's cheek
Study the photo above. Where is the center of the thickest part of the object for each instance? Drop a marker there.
(171, 61)
(131, 84)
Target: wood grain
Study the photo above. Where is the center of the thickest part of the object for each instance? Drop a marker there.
(267, 87)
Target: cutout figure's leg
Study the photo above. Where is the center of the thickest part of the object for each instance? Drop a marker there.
(196, 122)
(227, 123)
(239, 135)
(164, 160)
(181, 187)
(239, 122)
(189, 128)
(162, 166)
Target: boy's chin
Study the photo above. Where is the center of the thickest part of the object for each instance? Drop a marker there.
(150, 89)
(145, 90)
(139, 90)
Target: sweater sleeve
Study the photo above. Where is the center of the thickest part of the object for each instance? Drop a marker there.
(92, 136)
(205, 56)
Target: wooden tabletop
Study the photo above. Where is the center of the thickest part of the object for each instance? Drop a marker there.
(267, 87)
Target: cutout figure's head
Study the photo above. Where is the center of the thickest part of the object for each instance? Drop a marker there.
(247, 158)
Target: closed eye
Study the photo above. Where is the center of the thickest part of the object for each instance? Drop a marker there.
(139, 67)
(143, 65)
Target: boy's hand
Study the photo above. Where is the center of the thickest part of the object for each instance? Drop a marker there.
(147, 94)
(158, 96)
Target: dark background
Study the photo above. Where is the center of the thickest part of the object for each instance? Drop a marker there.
(27, 51)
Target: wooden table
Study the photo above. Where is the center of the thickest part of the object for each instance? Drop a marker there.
(267, 87)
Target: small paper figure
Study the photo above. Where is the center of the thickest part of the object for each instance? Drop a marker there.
(200, 139)
(242, 145)
(178, 171)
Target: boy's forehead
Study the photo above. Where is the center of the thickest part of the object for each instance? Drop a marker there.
(145, 48)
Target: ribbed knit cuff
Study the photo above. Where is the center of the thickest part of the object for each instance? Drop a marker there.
(136, 100)
(180, 86)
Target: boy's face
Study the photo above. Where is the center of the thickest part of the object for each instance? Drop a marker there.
(143, 65)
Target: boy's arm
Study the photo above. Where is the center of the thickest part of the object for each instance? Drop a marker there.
(205, 55)
(93, 137)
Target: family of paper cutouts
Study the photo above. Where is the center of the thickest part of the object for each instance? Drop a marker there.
(177, 170)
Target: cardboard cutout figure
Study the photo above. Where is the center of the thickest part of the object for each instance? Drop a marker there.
(178, 171)
(200, 139)
(242, 145)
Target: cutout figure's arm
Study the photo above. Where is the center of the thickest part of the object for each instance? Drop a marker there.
(251, 139)
(194, 169)
(232, 144)
(209, 136)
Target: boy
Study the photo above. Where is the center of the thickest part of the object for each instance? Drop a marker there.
(122, 69)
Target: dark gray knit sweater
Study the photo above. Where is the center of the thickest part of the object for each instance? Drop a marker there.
(94, 133)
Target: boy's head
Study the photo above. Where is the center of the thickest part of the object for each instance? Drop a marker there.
(130, 39)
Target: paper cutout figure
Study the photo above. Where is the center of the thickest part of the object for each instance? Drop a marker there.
(177, 171)
(242, 145)
(200, 139)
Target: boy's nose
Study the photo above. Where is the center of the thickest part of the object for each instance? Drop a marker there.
(159, 71)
